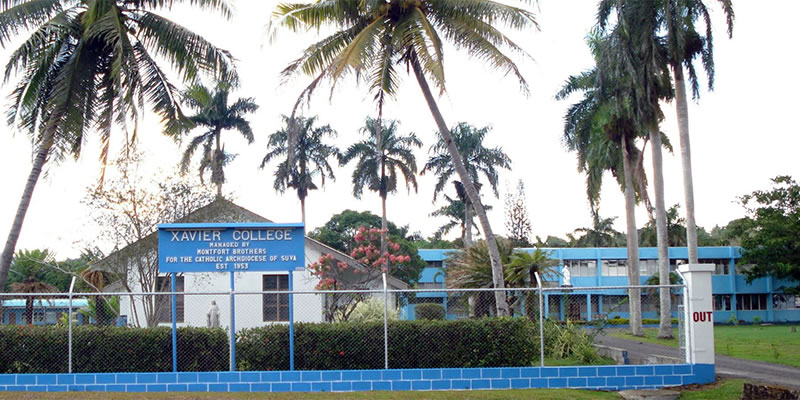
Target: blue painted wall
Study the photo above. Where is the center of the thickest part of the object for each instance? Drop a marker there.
(730, 284)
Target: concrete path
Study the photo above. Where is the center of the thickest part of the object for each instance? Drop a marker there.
(757, 371)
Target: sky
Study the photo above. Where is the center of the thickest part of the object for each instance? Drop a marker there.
(742, 134)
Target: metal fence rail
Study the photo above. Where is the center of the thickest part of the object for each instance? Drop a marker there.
(307, 329)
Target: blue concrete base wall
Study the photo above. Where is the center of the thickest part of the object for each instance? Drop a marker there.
(584, 377)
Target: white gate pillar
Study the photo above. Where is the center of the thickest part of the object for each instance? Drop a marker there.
(699, 313)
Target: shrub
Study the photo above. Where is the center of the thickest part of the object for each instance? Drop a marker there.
(429, 311)
(372, 310)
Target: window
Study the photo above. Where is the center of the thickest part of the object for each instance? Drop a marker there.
(720, 265)
(276, 306)
(648, 267)
(751, 301)
(12, 318)
(615, 267)
(722, 302)
(426, 300)
(434, 264)
(613, 304)
(430, 285)
(581, 267)
(164, 303)
(783, 302)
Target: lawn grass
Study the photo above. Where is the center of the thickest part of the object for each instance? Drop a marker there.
(543, 394)
(722, 389)
(772, 343)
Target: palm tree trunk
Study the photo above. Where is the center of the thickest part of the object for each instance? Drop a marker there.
(16, 227)
(29, 310)
(686, 161)
(472, 194)
(303, 209)
(665, 325)
(218, 167)
(634, 295)
(467, 237)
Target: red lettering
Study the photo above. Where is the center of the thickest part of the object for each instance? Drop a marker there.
(702, 316)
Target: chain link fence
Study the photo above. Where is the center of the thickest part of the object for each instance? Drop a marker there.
(315, 330)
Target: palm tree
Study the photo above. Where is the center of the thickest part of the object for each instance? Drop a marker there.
(600, 234)
(471, 268)
(29, 265)
(88, 65)
(379, 160)
(311, 156)
(639, 57)
(684, 45)
(95, 280)
(372, 38)
(477, 160)
(454, 210)
(522, 270)
(214, 115)
(600, 129)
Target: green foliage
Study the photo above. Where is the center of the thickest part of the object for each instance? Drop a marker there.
(569, 340)
(771, 235)
(372, 310)
(41, 265)
(43, 349)
(429, 311)
(414, 344)
(340, 233)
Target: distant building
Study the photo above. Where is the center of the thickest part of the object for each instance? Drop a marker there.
(598, 267)
(46, 311)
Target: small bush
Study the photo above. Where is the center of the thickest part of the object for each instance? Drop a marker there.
(372, 310)
(429, 311)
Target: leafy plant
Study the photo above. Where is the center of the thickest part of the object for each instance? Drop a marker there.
(430, 312)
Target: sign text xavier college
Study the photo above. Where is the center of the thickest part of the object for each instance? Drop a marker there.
(230, 247)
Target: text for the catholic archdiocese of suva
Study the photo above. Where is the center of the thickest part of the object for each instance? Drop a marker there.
(234, 254)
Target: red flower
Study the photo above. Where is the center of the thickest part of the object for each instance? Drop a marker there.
(341, 353)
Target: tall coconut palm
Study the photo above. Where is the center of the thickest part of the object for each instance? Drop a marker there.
(311, 157)
(454, 211)
(640, 58)
(88, 65)
(215, 116)
(602, 132)
(380, 160)
(685, 44)
(477, 159)
(600, 234)
(372, 38)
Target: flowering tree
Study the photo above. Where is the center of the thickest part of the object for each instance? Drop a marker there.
(334, 274)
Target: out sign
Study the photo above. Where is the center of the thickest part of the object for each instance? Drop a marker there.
(702, 316)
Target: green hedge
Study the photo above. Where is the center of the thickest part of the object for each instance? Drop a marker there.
(111, 349)
(429, 311)
(412, 344)
(488, 342)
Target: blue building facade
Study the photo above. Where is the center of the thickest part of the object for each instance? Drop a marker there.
(734, 299)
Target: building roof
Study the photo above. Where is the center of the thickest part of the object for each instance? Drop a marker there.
(223, 210)
(45, 303)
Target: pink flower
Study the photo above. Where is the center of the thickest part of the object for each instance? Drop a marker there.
(396, 247)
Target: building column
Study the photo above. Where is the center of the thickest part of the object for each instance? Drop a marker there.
(732, 276)
(588, 307)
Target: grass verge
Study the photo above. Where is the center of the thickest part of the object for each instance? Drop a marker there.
(542, 394)
(771, 343)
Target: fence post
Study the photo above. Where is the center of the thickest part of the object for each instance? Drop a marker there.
(385, 323)
(233, 324)
(174, 323)
(69, 329)
(686, 315)
(291, 321)
(541, 320)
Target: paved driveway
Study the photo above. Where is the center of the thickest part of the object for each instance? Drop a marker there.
(758, 371)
